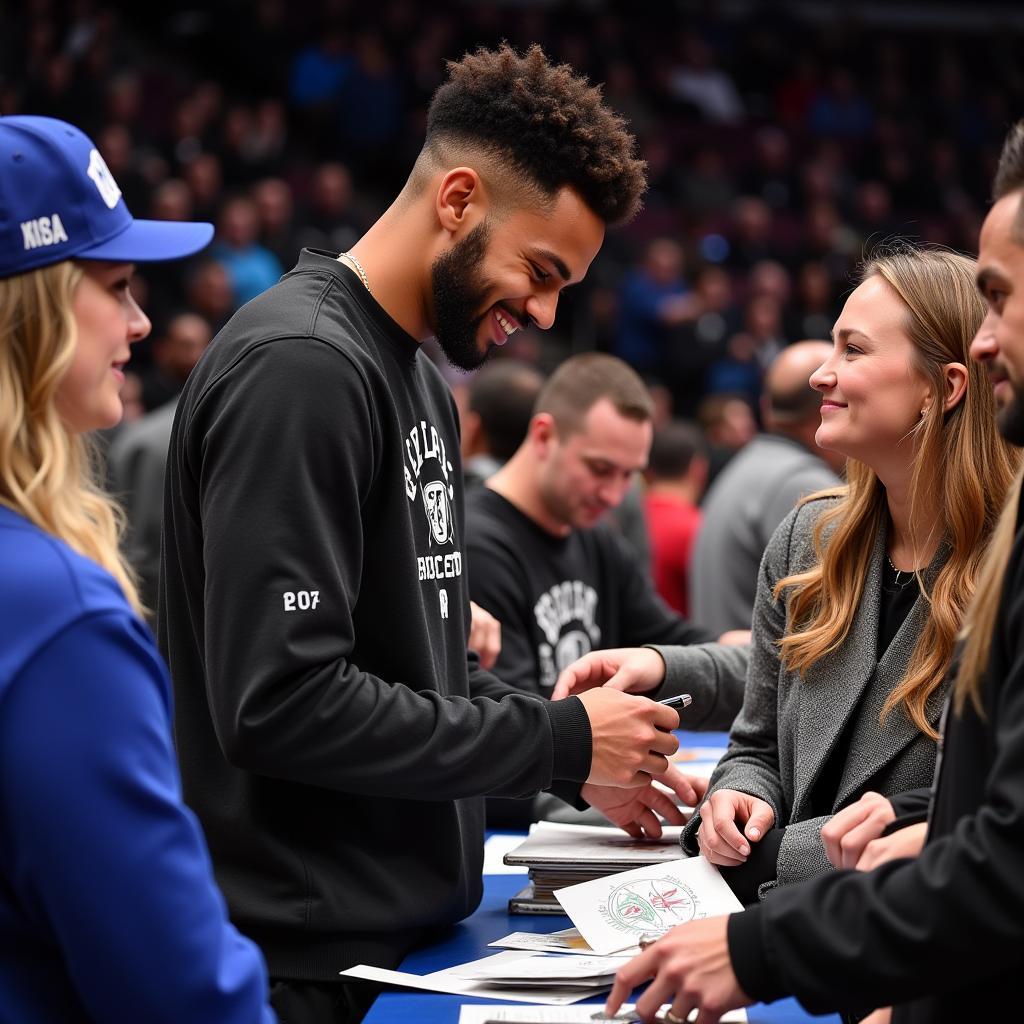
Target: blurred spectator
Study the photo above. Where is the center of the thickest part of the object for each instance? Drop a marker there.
(331, 222)
(756, 490)
(707, 192)
(275, 209)
(750, 350)
(728, 424)
(770, 175)
(752, 236)
(697, 81)
(654, 298)
(371, 112)
(319, 71)
(251, 267)
(699, 343)
(815, 310)
(203, 176)
(209, 293)
(174, 354)
(676, 473)
(840, 110)
(872, 213)
(769, 279)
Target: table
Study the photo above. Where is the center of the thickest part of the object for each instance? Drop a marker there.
(468, 941)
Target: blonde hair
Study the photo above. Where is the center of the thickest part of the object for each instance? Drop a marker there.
(962, 468)
(49, 474)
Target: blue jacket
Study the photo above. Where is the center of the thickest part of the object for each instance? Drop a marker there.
(108, 908)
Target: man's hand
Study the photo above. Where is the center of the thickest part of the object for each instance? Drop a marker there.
(719, 835)
(691, 969)
(636, 810)
(849, 832)
(632, 738)
(904, 842)
(632, 669)
(484, 635)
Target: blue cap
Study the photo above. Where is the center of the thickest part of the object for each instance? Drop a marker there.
(58, 201)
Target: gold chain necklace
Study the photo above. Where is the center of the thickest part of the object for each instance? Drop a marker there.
(357, 267)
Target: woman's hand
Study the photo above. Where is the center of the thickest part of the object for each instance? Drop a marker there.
(849, 832)
(632, 669)
(721, 818)
(691, 969)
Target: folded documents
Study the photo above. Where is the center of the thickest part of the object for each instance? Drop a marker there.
(543, 968)
(568, 940)
(448, 980)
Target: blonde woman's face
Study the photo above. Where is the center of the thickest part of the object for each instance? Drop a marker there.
(108, 321)
(871, 393)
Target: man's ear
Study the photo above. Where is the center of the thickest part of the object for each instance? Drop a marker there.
(542, 433)
(461, 201)
(955, 376)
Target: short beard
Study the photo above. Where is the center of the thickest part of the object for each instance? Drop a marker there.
(459, 293)
(1010, 419)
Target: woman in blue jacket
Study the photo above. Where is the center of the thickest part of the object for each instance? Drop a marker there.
(108, 907)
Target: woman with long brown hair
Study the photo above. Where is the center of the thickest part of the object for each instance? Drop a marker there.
(862, 589)
(108, 907)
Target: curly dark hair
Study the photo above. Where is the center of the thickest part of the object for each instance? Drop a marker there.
(548, 122)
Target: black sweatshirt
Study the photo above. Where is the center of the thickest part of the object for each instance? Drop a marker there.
(558, 598)
(941, 936)
(335, 740)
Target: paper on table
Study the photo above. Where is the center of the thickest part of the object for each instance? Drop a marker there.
(554, 967)
(494, 855)
(448, 981)
(555, 844)
(617, 909)
(469, 1014)
(568, 940)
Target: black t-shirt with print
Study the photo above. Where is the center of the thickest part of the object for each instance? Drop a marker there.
(558, 598)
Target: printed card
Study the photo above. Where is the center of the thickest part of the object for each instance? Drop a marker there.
(613, 912)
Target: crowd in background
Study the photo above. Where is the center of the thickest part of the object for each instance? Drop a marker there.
(780, 152)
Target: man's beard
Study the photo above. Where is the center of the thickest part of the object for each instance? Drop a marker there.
(1010, 418)
(459, 292)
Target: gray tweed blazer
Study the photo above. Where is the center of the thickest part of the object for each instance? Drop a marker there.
(787, 726)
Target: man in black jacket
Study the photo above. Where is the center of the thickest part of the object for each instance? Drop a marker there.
(940, 936)
(334, 739)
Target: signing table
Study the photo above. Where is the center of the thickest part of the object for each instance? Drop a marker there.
(468, 941)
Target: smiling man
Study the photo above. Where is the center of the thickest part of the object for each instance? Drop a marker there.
(335, 738)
